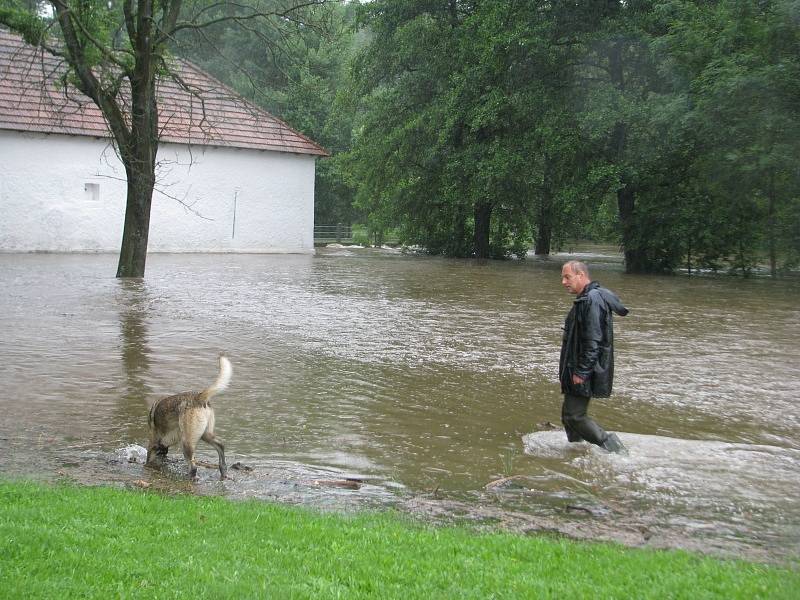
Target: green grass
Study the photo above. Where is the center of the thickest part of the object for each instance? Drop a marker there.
(64, 541)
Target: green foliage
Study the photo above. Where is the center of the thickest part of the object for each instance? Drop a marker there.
(98, 20)
(360, 235)
(670, 126)
(457, 120)
(70, 542)
(745, 113)
(18, 17)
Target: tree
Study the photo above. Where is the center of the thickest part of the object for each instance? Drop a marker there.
(397, 160)
(624, 98)
(697, 102)
(467, 130)
(743, 60)
(116, 53)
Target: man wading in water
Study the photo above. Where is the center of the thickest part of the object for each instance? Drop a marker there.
(586, 367)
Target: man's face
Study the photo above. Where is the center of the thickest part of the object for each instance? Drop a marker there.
(574, 282)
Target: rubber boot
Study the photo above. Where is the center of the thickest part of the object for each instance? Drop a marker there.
(612, 443)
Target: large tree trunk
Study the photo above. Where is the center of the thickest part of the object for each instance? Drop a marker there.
(139, 155)
(543, 241)
(133, 252)
(483, 216)
(635, 257)
(140, 165)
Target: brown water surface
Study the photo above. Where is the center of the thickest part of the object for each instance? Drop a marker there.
(422, 377)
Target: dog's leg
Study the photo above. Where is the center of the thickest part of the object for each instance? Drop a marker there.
(210, 438)
(156, 452)
(188, 454)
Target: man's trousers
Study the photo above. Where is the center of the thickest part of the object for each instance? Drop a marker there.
(578, 425)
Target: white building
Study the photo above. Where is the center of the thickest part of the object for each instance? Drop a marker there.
(231, 177)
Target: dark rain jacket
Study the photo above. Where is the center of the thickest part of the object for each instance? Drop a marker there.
(587, 348)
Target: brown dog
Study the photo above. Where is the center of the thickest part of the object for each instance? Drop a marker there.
(187, 418)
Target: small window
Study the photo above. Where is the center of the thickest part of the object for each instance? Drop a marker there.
(92, 191)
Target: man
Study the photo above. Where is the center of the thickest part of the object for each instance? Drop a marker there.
(586, 367)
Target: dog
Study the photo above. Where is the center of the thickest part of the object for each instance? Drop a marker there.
(188, 418)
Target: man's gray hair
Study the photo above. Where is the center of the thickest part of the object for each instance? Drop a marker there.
(577, 266)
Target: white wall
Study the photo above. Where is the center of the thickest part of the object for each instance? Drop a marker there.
(67, 194)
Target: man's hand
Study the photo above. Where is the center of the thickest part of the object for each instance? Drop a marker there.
(577, 380)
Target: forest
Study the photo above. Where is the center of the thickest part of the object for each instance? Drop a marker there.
(492, 128)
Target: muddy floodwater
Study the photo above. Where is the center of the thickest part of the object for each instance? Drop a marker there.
(372, 379)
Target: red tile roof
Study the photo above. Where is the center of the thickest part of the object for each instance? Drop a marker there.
(32, 98)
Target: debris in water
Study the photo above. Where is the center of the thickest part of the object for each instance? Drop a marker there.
(515, 482)
(595, 511)
(547, 426)
(349, 483)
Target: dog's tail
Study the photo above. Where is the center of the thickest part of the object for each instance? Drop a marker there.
(222, 381)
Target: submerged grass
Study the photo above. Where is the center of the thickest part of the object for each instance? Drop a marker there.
(64, 541)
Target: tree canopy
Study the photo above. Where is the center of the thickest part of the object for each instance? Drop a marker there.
(669, 126)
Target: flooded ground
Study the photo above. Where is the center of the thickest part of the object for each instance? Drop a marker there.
(367, 378)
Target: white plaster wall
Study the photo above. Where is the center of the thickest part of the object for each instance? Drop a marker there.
(67, 194)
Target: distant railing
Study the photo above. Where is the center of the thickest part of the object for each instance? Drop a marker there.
(325, 234)
(349, 234)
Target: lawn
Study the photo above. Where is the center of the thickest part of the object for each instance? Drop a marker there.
(66, 541)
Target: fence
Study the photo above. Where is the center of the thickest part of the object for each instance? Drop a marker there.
(343, 234)
(325, 234)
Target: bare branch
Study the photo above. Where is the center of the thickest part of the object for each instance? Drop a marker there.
(286, 14)
(160, 189)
